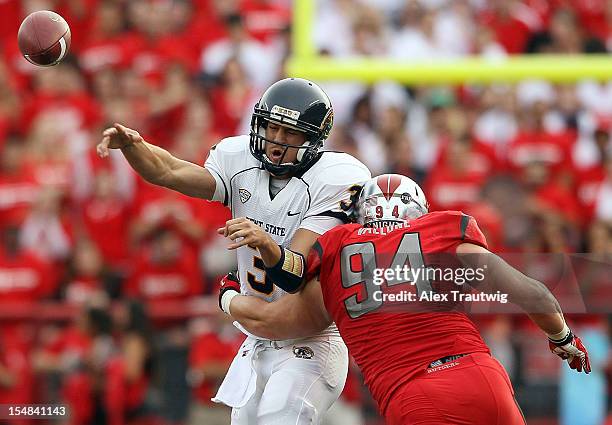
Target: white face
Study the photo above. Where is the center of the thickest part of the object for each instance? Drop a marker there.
(285, 135)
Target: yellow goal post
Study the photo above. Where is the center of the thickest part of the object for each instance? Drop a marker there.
(306, 63)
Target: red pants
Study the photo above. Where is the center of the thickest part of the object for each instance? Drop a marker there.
(472, 390)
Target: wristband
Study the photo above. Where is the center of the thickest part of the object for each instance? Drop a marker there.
(226, 299)
(563, 337)
(288, 273)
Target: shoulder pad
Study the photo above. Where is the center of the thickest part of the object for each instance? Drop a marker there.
(236, 144)
(335, 168)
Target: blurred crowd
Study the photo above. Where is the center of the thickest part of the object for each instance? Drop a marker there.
(532, 162)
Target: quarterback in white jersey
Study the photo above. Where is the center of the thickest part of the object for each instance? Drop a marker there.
(283, 192)
(310, 201)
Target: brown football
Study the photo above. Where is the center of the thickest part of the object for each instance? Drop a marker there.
(44, 38)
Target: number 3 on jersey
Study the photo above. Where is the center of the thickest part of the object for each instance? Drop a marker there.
(264, 284)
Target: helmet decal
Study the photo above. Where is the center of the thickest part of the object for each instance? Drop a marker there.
(277, 112)
(388, 184)
(388, 199)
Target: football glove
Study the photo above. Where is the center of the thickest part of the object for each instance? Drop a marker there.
(229, 287)
(571, 348)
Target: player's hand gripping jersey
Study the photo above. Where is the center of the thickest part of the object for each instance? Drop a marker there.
(407, 341)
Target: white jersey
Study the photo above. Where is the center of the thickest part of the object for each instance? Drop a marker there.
(311, 201)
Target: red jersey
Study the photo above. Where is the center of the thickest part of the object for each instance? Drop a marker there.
(390, 348)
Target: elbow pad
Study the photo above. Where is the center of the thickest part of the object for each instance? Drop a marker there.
(288, 273)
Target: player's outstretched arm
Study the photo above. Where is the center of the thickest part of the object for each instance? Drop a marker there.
(292, 316)
(156, 165)
(534, 298)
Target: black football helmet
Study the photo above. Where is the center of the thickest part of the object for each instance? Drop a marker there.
(301, 105)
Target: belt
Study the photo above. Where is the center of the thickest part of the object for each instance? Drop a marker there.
(443, 360)
(277, 345)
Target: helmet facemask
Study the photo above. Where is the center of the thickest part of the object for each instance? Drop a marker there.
(298, 104)
(306, 153)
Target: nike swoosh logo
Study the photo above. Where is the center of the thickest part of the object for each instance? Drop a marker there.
(290, 214)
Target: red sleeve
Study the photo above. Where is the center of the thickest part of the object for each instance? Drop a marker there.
(470, 232)
(313, 262)
(324, 250)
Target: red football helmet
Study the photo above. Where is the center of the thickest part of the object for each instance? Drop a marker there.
(389, 199)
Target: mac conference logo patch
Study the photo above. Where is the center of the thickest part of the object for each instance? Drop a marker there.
(245, 195)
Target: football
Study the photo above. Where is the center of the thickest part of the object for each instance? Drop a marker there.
(44, 38)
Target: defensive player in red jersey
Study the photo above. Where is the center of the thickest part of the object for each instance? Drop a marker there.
(422, 366)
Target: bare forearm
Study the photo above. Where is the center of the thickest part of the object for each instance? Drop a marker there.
(550, 323)
(270, 253)
(278, 320)
(150, 161)
(531, 295)
(258, 318)
(158, 166)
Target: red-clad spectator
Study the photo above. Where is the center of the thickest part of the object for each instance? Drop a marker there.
(590, 13)
(510, 31)
(24, 277)
(482, 158)
(10, 101)
(80, 16)
(601, 25)
(11, 13)
(213, 348)
(16, 375)
(126, 98)
(106, 44)
(264, 19)
(47, 231)
(129, 372)
(87, 277)
(565, 36)
(603, 203)
(231, 99)
(79, 354)
(535, 143)
(168, 105)
(453, 186)
(156, 207)
(50, 154)
(64, 352)
(105, 217)
(543, 9)
(590, 179)
(157, 46)
(196, 135)
(209, 19)
(195, 24)
(260, 62)
(549, 196)
(60, 91)
(21, 70)
(165, 270)
(18, 187)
